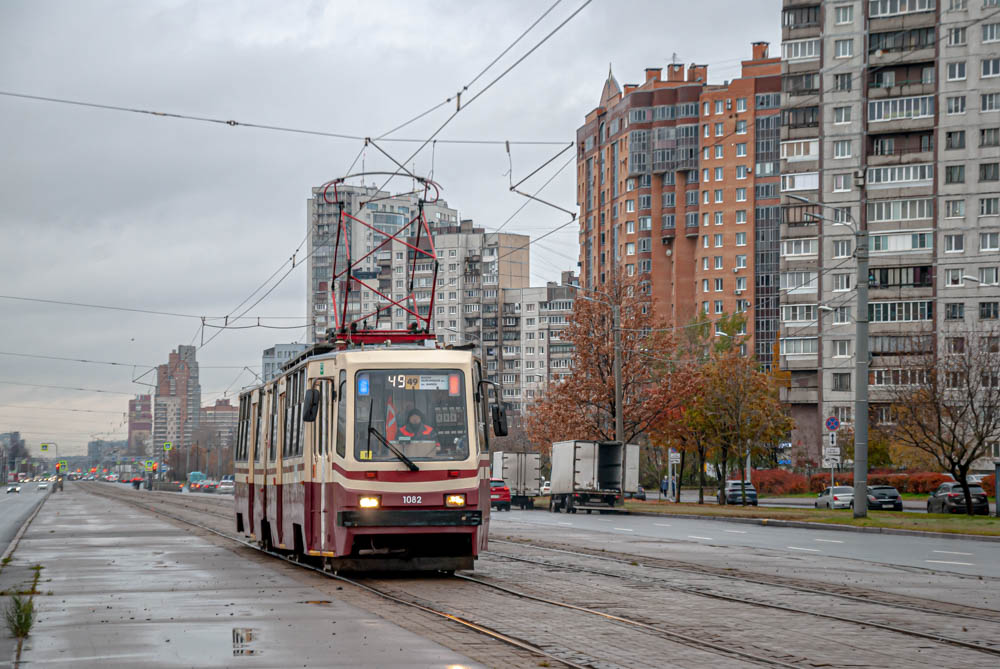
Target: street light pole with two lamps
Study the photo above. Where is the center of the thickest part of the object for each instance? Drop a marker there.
(860, 359)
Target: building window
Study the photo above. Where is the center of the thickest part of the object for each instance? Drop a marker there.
(741, 239)
(718, 174)
(799, 346)
(704, 283)
(842, 248)
(741, 127)
(841, 282)
(953, 277)
(990, 102)
(718, 241)
(991, 33)
(989, 171)
(718, 196)
(954, 174)
(741, 195)
(842, 348)
(989, 206)
(741, 149)
(956, 36)
(954, 243)
(954, 208)
(989, 241)
(988, 276)
(718, 262)
(844, 14)
(842, 381)
(841, 183)
(741, 216)
(842, 148)
(954, 311)
(988, 311)
(718, 130)
(956, 71)
(956, 105)
(718, 285)
(954, 140)
(719, 218)
(842, 82)
(841, 115)
(718, 306)
(741, 104)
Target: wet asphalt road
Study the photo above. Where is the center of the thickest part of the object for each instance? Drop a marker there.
(15, 507)
(960, 556)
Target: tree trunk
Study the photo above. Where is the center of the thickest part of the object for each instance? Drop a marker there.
(743, 479)
(701, 474)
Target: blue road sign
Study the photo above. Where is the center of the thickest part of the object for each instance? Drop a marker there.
(832, 423)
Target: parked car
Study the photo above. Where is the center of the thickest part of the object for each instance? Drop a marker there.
(949, 498)
(974, 478)
(499, 495)
(546, 488)
(883, 497)
(14, 487)
(734, 493)
(838, 497)
(638, 494)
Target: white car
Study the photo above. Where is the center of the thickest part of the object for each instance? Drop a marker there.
(226, 487)
(13, 487)
(44, 485)
(546, 488)
(839, 497)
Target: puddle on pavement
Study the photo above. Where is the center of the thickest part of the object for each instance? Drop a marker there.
(243, 641)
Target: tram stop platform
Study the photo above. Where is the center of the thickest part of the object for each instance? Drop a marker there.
(122, 588)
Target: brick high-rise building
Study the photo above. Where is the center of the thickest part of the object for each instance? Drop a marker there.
(140, 424)
(891, 121)
(677, 182)
(178, 399)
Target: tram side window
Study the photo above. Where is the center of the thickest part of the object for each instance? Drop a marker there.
(322, 426)
(342, 414)
(259, 429)
(293, 415)
(241, 433)
(300, 390)
(273, 448)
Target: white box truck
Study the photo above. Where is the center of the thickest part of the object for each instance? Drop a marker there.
(593, 475)
(521, 473)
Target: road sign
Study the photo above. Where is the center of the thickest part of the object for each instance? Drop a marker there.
(828, 463)
(831, 452)
(675, 458)
(832, 423)
(784, 446)
(149, 465)
(45, 447)
(833, 438)
(167, 445)
(62, 464)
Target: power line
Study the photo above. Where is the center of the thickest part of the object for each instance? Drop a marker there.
(57, 408)
(257, 126)
(104, 362)
(87, 390)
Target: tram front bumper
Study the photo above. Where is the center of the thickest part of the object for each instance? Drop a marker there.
(410, 518)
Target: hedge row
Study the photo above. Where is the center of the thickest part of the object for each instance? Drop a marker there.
(781, 482)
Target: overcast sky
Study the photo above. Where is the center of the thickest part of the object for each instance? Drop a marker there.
(139, 211)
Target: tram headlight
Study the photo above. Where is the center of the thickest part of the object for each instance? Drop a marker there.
(454, 500)
(370, 502)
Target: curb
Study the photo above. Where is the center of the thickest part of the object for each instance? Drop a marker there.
(773, 522)
(12, 546)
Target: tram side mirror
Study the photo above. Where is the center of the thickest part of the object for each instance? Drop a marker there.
(311, 405)
(499, 421)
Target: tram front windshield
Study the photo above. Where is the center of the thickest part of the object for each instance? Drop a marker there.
(419, 411)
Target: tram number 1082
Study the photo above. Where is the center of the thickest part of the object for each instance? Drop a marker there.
(411, 499)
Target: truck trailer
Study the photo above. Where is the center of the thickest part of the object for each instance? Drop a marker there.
(521, 473)
(593, 475)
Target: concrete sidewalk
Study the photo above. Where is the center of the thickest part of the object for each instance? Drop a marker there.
(122, 588)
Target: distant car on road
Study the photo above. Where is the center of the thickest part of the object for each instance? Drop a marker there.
(950, 498)
(226, 487)
(734, 493)
(838, 497)
(44, 485)
(883, 497)
(13, 487)
(499, 495)
(546, 488)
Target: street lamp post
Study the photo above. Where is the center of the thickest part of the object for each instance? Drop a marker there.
(860, 361)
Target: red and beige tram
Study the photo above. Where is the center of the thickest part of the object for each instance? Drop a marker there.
(369, 458)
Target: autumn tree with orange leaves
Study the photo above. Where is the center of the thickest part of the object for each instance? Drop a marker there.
(583, 405)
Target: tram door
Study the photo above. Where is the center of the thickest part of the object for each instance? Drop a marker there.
(280, 435)
(257, 506)
(251, 440)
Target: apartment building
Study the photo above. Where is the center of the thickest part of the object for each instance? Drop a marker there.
(272, 360)
(890, 121)
(177, 401)
(140, 424)
(220, 421)
(529, 352)
(380, 211)
(677, 184)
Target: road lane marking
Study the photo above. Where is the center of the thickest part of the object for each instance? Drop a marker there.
(561, 523)
(623, 529)
(964, 564)
(691, 536)
(603, 520)
(735, 531)
(952, 553)
(796, 548)
(829, 541)
(663, 524)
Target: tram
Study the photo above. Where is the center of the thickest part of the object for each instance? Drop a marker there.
(370, 451)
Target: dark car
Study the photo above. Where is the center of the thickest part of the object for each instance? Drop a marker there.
(950, 498)
(499, 495)
(640, 494)
(734, 493)
(884, 497)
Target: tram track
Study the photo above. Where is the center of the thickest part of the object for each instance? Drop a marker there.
(482, 629)
(407, 592)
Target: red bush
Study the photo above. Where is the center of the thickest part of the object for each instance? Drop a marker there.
(778, 482)
(817, 482)
(989, 485)
(925, 482)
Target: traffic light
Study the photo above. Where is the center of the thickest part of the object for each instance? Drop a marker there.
(155, 465)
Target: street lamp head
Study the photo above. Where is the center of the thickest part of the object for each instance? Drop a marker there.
(966, 277)
(800, 198)
(823, 307)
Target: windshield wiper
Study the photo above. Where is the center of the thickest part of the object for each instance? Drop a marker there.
(385, 442)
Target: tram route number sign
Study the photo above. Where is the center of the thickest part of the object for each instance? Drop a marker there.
(833, 423)
(167, 445)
